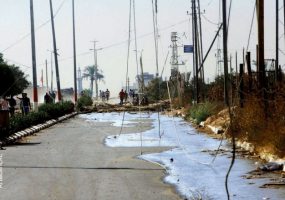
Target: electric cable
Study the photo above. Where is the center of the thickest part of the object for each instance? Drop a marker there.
(251, 26)
(39, 27)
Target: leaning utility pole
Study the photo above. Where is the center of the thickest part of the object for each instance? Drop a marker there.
(55, 53)
(74, 54)
(225, 47)
(35, 85)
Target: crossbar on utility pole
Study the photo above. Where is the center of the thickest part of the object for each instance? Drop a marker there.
(33, 43)
(55, 53)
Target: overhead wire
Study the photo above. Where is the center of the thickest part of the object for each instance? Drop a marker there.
(128, 58)
(230, 125)
(251, 26)
(39, 27)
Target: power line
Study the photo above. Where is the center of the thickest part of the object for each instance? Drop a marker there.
(39, 27)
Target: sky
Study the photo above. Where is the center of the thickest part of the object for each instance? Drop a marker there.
(107, 21)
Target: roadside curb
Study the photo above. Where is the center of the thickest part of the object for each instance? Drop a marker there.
(34, 129)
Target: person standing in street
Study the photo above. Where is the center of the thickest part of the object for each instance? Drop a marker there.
(25, 104)
(122, 97)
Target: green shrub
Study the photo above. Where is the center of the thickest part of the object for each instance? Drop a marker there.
(84, 100)
(46, 112)
(200, 112)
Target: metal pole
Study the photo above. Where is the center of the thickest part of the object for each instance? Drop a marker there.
(33, 43)
(74, 54)
(55, 53)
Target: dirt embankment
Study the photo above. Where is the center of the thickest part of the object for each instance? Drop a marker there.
(217, 126)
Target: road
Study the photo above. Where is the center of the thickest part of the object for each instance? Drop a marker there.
(69, 161)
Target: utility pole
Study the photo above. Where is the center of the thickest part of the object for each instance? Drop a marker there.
(260, 24)
(55, 53)
(33, 43)
(196, 50)
(142, 78)
(201, 43)
(47, 75)
(277, 40)
(51, 71)
(74, 54)
(225, 47)
(95, 68)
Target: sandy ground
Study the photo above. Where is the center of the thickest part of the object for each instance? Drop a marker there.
(69, 161)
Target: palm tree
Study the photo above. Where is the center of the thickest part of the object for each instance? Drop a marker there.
(89, 72)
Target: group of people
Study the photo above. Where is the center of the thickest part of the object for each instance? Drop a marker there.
(104, 95)
(9, 104)
(134, 98)
(49, 97)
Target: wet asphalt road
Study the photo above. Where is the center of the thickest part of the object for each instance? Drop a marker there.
(69, 161)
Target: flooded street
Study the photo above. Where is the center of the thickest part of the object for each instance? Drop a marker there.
(192, 165)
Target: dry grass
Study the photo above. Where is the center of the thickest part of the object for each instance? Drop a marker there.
(263, 122)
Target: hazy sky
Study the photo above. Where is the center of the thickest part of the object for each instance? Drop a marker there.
(107, 22)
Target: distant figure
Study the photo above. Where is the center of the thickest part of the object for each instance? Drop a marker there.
(48, 98)
(131, 93)
(12, 104)
(100, 94)
(25, 104)
(52, 95)
(122, 96)
(107, 94)
(126, 96)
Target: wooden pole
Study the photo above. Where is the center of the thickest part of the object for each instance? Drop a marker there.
(225, 46)
(33, 43)
(196, 51)
(260, 24)
(248, 64)
(277, 41)
(241, 85)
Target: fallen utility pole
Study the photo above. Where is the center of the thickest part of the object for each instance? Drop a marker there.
(35, 85)
(213, 42)
(55, 53)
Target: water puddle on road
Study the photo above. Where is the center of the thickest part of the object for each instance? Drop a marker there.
(189, 164)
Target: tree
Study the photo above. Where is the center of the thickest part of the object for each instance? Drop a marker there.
(13, 80)
(89, 72)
